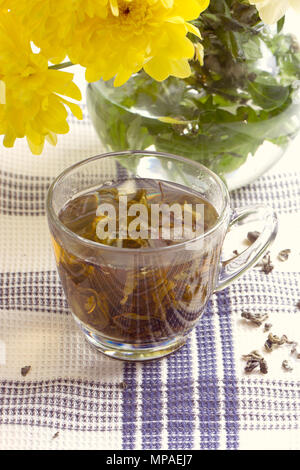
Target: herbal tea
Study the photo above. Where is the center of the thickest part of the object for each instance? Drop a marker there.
(159, 295)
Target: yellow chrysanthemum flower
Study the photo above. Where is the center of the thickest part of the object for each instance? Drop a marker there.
(52, 23)
(48, 22)
(136, 34)
(114, 37)
(31, 105)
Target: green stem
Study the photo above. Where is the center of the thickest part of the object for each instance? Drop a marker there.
(61, 66)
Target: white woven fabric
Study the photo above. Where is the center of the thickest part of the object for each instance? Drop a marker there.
(199, 397)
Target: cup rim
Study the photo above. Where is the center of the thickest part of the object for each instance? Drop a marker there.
(57, 222)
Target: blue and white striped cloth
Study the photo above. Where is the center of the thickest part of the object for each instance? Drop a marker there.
(197, 398)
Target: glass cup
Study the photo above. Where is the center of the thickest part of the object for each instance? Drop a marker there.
(141, 304)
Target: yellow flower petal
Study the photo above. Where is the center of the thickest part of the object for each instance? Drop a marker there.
(35, 149)
(9, 139)
(114, 7)
(2, 92)
(51, 138)
(75, 109)
(170, 120)
(271, 11)
(193, 29)
(199, 52)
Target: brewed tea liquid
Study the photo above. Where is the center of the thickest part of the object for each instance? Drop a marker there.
(79, 215)
(148, 302)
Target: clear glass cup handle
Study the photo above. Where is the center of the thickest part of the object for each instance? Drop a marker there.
(231, 269)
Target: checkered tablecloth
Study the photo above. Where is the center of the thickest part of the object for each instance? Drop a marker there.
(197, 398)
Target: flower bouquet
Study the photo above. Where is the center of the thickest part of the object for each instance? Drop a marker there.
(109, 38)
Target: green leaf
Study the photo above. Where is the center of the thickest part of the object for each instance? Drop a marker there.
(280, 24)
(138, 136)
(252, 48)
(268, 97)
(265, 78)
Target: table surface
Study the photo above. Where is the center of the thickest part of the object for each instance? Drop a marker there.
(199, 397)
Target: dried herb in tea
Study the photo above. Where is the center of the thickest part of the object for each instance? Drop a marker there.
(137, 302)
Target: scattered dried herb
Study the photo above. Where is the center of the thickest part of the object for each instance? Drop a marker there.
(25, 370)
(55, 435)
(123, 385)
(251, 365)
(298, 305)
(284, 254)
(252, 236)
(286, 365)
(266, 264)
(257, 318)
(235, 252)
(274, 340)
(267, 326)
(263, 366)
(255, 360)
(294, 348)
(268, 267)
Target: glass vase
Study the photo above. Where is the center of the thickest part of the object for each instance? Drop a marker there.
(236, 114)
